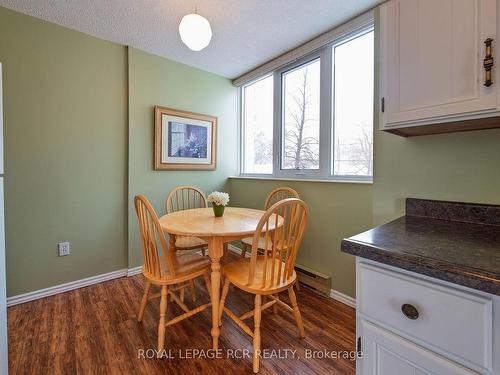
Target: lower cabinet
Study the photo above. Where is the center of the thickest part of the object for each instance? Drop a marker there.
(385, 353)
(412, 324)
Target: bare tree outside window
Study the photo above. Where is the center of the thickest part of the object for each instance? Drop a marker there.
(301, 117)
(353, 108)
(356, 153)
(263, 149)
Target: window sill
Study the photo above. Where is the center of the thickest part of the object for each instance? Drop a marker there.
(332, 180)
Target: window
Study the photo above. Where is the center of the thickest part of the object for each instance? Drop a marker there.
(300, 119)
(257, 108)
(314, 117)
(353, 101)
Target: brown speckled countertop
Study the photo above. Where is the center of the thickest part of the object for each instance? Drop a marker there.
(456, 242)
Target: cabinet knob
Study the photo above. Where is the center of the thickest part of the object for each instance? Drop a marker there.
(410, 311)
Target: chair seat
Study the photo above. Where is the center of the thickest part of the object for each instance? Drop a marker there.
(262, 242)
(189, 242)
(237, 273)
(187, 265)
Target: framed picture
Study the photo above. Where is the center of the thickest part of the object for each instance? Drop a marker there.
(184, 140)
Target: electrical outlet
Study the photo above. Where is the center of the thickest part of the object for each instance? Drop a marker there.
(63, 248)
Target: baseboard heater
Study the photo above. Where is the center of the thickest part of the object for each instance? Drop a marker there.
(317, 281)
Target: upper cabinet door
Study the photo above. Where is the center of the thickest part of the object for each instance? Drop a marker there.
(431, 61)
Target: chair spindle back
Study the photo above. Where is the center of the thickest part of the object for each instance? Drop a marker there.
(279, 194)
(280, 245)
(185, 198)
(152, 239)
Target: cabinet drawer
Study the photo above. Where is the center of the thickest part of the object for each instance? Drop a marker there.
(450, 321)
(385, 353)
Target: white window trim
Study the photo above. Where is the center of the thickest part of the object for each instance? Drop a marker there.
(327, 126)
(331, 37)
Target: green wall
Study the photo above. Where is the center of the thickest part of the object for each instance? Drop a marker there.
(73, 163)
(337, 210)
(457, 167)
(65, 153)
(157, 81)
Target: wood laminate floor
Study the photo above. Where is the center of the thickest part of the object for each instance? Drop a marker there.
(94, 330)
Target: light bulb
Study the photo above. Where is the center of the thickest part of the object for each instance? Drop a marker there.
(195, 31)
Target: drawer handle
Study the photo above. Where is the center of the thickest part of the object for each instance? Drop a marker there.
(410, 311)
(488, 62)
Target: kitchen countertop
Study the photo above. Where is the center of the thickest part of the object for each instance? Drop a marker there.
(455, 242)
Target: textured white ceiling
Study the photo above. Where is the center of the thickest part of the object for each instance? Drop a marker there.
(246, 33)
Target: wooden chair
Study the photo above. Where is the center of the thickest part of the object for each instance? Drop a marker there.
(272, 272)
(166, 269)
(185, 198)
(274, 196)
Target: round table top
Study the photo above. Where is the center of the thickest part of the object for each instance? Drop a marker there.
(201, 222)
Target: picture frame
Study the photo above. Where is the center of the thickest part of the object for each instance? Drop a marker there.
(184, 140)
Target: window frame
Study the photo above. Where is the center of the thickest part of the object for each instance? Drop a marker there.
(325, 54)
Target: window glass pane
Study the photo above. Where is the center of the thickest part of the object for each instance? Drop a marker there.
(353, 107)
(300, 132)
(258, 126)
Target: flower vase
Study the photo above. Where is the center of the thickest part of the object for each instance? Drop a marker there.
(218, 210)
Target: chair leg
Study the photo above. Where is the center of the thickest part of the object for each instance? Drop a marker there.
(297, 285)
(244, 249)
(161, 325)
(224, 256)
(223, 296)
(256, 333)
(182, 293)
(193, 290)
(144, 301)
(275, 306)
(296, 312)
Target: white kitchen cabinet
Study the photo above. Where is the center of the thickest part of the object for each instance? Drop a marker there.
(432, 65)
(385, 353)
(451, 329)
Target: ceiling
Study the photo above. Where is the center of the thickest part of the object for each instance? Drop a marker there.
(246, 33)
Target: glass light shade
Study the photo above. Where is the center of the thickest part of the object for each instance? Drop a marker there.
(195, 31)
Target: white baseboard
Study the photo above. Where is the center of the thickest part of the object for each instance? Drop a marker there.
(343, 298)
(37, 294)
(134, 271)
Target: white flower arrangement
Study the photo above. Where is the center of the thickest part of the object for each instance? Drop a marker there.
(218, 198)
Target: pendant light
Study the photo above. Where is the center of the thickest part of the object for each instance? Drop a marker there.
(195, 31)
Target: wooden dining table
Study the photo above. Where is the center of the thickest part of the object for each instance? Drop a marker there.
(236, 224)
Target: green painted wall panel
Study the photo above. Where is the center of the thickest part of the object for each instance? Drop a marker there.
(457, 167)
(157, 81)
(337, 210)
(65, 152)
